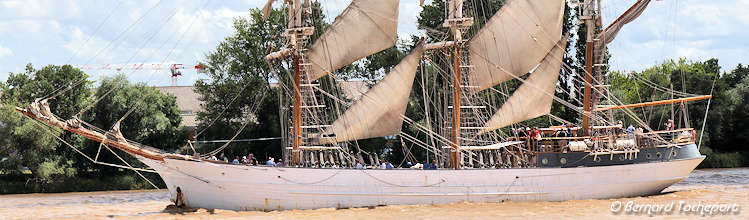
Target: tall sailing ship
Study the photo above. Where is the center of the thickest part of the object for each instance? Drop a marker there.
(481, 153)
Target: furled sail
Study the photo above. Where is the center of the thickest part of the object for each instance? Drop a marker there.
(378, 112)
(514, 40)
(365, 27)
(630, 15)
(535, 95)
(268, 8)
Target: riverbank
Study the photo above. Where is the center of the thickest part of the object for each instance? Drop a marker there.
(708, 186)
(25, 183)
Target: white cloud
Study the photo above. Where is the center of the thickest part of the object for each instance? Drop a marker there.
(51, 31)
(4, 51)
(697, 30)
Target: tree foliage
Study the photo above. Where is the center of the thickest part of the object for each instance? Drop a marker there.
(726, 128)
(24, 142)
(154, 118)
(28, 144)
(237, 84)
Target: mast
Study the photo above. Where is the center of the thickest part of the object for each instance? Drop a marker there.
(297, 114)
(297, 33)
(456, 22)
(455, 137)
(371, 27)
(590, 17)
(596, 49)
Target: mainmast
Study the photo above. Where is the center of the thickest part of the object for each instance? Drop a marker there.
(457, 23)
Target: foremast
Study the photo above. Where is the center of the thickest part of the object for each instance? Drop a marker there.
(298, 34)
(365, 27)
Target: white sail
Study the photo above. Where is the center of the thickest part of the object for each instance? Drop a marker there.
(630, 15)
(365, 27)
(378, 112)
(514, 40)
(535, 95)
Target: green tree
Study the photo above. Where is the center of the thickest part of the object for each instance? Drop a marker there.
(739, 103)
(48, 81)
(154, 118)
(238, 81)
(23, 142)
(736, 75)
(725, 129)
(566, 84)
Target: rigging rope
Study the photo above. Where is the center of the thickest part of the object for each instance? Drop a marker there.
(137, 170)
(627, 111)
(707, 110)
(250, 115)
(98, 27)
(140, 19)
(174, 12)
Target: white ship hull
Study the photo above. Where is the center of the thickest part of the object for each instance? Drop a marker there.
(239, 187)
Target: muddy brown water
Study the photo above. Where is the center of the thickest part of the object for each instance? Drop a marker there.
(727, 187)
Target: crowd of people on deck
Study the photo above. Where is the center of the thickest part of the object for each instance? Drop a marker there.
(566, 130)
(532, 134)
(251, 160)
(386, 165)
(536, 133)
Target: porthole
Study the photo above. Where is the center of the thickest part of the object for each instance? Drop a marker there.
(659, 155)
(544, 161)
(597, 159)
(649, 156)
(563, 160)
(674, 153)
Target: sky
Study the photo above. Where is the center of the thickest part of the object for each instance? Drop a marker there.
(96, 33)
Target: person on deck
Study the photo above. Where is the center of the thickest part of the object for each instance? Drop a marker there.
(631, 129)
(562, 132)
(433, 166)
(535, 136)
(359, 166)
(388, 165)
(565, 131)
(270, 162)
(383, 166)
(669, 125)
(252, 159)
(236, 160)
(618, 130)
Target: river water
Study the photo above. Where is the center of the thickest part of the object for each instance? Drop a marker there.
(725, 189)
